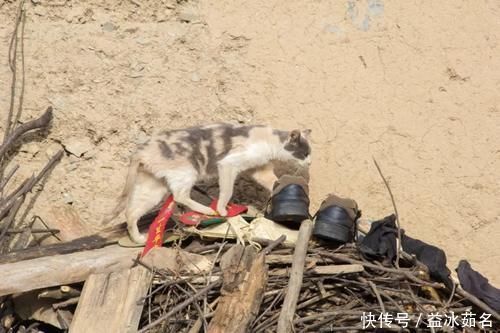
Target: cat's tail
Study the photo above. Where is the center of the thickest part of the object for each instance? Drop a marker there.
(122, 200)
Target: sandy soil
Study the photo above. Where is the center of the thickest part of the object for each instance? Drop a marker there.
(413, 84)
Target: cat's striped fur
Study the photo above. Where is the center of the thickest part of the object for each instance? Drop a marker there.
(173, 161)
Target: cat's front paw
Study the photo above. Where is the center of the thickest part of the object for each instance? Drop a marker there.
(208, 211)
(222, 211)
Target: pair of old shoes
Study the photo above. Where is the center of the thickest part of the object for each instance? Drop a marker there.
(335, 220)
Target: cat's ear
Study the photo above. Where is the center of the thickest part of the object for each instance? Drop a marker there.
(307, 133)
(294, 137)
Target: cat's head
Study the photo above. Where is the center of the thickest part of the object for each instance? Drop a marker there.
(297, 146)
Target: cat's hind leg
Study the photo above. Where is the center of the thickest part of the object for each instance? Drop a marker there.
(146, 193)
(265, 176)
(181, 186)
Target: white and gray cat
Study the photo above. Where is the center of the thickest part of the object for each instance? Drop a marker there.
(174, 161)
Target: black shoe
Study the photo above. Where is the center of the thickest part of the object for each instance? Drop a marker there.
(290, 200)
(336, 219)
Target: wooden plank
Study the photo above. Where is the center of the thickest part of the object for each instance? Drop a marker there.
(112, 302)
(63, 269)
(244, 282)
(285, 320)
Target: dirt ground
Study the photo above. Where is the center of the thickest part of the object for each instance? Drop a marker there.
(413, 84)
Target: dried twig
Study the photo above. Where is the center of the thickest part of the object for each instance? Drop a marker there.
(66, 303)
(477, 302)
(40, 178)
(398, 224)
(41, 122)
(7, 178)
(221, 247)
(377, 294)
(201, 321)
(21, 93)
(384, 269)
(273, 244)
(12, 65)
(10, 218)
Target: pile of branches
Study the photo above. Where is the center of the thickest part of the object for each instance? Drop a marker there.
(11, 202)
(340, 291)
(15, 231)
(17, 195)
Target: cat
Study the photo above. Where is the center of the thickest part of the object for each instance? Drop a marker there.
(172, 162)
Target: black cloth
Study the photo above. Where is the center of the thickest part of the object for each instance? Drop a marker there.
(431, 256)
(478, 285)
(380, 243)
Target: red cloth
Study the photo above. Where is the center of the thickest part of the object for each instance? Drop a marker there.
(232, 209)
(157, 228)
(194, 218)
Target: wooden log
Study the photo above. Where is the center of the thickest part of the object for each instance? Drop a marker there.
(63, 292)
(244, 282)
(80, 244)
(99, 240)
(63, 269)
(112, 302)
(285, 320)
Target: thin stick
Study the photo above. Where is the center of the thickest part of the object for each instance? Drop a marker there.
(181, 306)
(398, 224)
(452, 293)
(196, 305)
(285, 321)
(377, 294)
(13, 69)
(34, 231)
(11, 199)
(273, 244)
(382, 268)
(8, 177)
(16, 192)
(477, 302)
(321, 323)
(277, 298)
(21, 93)
(11, 216)
(53, 232)
(205, 248)
(66, 303)
(41, 178)
(328, 314)
(221, 247)
(199, 322)
(383, 293)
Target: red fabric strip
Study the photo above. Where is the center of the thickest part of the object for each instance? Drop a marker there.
(157, 228)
